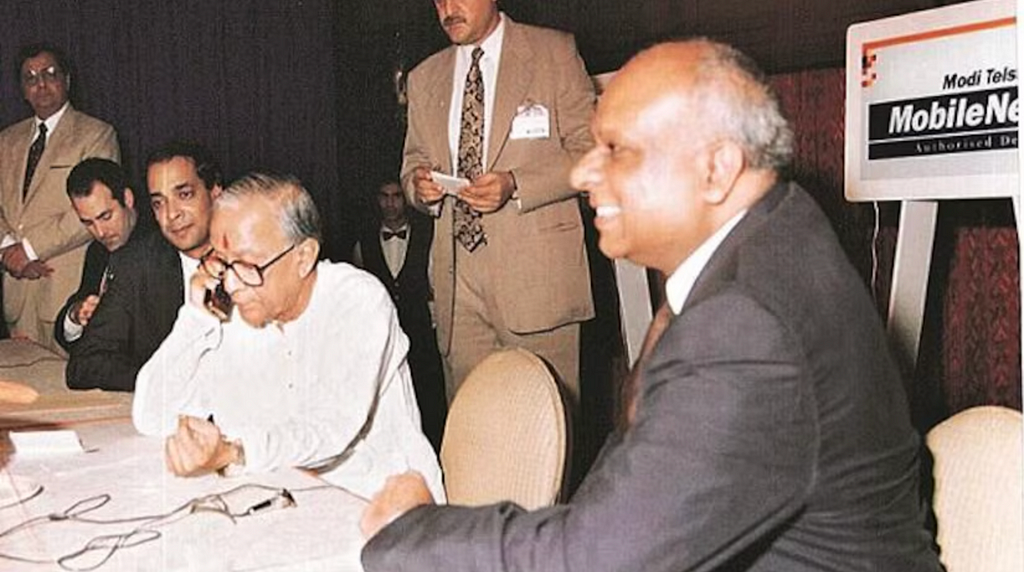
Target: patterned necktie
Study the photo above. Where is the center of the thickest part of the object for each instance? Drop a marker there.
(468, 230)
(34, 153)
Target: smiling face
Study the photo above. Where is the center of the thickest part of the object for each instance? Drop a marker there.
(181, 204)
(647, 176)
(467, 21)
(107, 220)
(44, 84)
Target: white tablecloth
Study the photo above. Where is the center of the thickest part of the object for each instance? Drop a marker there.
(320, 533)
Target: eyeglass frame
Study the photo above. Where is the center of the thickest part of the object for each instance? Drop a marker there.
(259, 268)
(49, 74)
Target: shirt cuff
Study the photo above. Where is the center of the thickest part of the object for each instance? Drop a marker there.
(515, 191)
(72, 331)
(29, 252)
(8, 240)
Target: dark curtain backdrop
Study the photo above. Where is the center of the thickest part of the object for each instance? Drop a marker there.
(252, 80)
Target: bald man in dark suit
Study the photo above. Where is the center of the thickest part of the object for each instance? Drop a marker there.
(770, 432)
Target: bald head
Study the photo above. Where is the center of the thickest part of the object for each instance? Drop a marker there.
(724, 87)
(687, 136)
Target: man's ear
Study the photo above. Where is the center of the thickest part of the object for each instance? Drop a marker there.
(725, 163)
(309, 251)
(129, 198)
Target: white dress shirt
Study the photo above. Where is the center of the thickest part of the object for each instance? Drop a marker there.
(489, 64)
(51, 124)
(680, 283)
(394, 248)
(300, 393)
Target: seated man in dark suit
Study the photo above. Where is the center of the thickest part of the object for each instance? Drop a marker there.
(770, 430)
(397, 251)
(146, 282)
(104, 202)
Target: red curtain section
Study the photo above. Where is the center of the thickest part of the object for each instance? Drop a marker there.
(970, 352)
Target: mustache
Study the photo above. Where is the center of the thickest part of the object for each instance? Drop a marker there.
(452, 20)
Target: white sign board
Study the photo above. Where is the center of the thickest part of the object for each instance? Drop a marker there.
(932, 106)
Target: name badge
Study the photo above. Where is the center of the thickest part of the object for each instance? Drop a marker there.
(532, 121)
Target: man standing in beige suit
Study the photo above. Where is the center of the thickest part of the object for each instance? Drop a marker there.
(506, 107)
(42, 242)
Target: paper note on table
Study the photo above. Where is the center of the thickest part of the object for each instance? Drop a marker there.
(31, 443)
(451, 184)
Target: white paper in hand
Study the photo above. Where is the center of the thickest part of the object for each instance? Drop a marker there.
(451, 185)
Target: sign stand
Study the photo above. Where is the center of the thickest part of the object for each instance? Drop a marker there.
(911, 266)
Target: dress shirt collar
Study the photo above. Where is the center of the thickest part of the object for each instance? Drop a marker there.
(680, 283)
(189, 266)
(489, 64)
(51, 121)
(491, 46)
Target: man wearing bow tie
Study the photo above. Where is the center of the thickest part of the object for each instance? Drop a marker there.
(397, 252)
(42, 242)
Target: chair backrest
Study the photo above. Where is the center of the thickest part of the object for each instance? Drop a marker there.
(978, 480)
(507, 435)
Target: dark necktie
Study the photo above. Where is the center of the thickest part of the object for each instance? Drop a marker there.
(108, 277)
(387, 235)
(468, 230)
(34, 153)
(629, 392)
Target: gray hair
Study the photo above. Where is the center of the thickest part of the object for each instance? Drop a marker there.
(299, 218)
(734, 89)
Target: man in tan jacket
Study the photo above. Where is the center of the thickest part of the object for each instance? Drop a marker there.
(518, 275)
(42, 242)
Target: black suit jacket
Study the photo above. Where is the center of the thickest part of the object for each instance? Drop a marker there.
(410, 290)
(143, 296)
(772, 434)
(96, 259)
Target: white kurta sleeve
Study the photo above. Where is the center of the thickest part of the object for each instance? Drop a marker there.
(166, 384)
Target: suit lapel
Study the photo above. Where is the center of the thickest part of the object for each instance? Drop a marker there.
(17, 157)
(515, 77)
(439, 98)
(722, 267)
(54, 142)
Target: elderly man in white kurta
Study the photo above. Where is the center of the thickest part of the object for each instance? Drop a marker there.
(308, 370)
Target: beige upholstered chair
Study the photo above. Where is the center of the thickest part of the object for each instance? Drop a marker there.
(506, 437)
(978, 481)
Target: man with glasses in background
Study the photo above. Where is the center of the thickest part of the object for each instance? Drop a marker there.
(147, 278)
(305, 365)
(42, 242)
